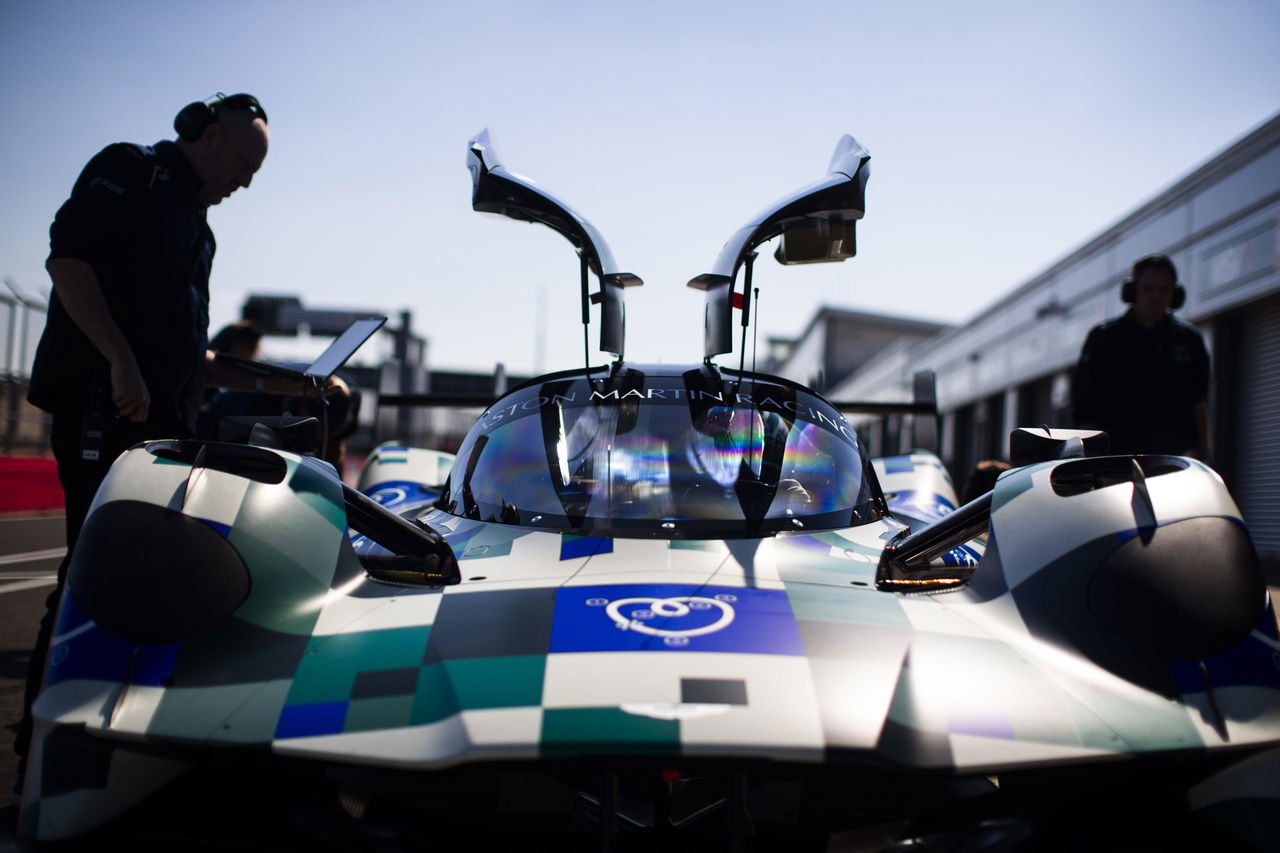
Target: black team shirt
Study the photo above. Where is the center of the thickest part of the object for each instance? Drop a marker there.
(1142, 385)
(133, 217)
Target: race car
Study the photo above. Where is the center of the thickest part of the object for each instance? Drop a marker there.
(661, 607)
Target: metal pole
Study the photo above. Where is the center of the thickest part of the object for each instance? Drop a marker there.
(746, 308)
(8, 341)
(404, 416)
(586, 314)
(10, 376)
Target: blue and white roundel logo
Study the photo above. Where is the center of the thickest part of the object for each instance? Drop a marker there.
(388, 495)
(668, 617)
(393, 493)
(681, 616)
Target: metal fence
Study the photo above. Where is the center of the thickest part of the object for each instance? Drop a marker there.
(23, 428)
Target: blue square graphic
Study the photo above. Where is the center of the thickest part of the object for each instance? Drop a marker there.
(323, 718)
(898, 465)
(572, 547)
(674, 618)
(80, 649)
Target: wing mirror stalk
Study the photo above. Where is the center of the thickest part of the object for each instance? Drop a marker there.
(419, 555)
(905, 565)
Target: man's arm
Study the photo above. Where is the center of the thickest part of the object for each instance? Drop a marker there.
(81, 295)
(222, 374)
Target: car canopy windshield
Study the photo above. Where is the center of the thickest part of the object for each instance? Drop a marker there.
(659, 452)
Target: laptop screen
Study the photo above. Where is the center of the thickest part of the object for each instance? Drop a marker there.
(343, 347)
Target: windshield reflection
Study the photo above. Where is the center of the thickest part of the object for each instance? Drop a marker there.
(667, 454)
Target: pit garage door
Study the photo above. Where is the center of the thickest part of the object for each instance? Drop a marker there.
(1257, 483)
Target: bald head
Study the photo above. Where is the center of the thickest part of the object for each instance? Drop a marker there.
(228, 153)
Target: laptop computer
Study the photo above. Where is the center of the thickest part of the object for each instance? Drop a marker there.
(335, 355)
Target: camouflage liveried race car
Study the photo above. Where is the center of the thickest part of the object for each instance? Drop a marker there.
(661, 607)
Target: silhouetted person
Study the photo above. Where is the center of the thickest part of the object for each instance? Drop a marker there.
(1144, 377)
(123, 355)
(982, 479)
(339, 411)
(241, 339)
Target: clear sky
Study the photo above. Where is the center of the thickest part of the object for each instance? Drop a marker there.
(1002, 135)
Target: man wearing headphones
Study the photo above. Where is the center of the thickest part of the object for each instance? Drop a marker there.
(1144, 377)
(123, 354)
(122, 357)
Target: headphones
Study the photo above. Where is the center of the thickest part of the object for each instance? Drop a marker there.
(191, 120)
(1129, 288)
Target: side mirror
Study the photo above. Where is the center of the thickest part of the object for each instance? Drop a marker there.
(433, 569)
(296, 434)
(906, 564)
(818, 241)
(415, 554)
(1028, 445)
